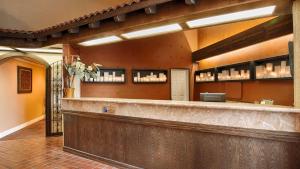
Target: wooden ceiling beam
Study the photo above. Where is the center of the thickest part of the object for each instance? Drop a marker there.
(151, 10)
(13, 42)
(120, 18)
(190, 2)
(56, 35)
(73, 30)
(280, 26)
(42, 39)
(94, 25)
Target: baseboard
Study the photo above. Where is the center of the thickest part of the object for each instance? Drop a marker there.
(21, 126)
(99, 158)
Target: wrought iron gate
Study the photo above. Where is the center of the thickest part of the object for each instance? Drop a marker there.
(54, 124)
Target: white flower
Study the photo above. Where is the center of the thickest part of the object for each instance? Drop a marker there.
(89, 68)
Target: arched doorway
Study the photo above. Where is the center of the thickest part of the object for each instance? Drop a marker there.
(53, 89)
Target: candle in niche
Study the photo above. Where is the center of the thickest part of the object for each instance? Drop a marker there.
(123, 77)
(269, 67)
(288, 71)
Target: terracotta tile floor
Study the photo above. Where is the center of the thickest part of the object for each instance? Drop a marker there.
(30, 149)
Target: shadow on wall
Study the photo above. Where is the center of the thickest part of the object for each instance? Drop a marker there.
(18, 110)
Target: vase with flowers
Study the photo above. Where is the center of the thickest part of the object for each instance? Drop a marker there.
(76, 71)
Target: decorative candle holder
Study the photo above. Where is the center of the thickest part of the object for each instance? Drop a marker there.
(273, 68)
(205, 75)
(235, 72)
(149, 76)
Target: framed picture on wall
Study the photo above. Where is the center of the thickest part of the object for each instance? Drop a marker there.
(24, 79)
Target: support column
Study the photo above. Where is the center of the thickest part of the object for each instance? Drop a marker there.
(296, 23)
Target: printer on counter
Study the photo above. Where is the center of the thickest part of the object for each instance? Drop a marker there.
(212, 97)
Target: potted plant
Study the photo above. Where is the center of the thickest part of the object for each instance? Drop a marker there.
(76, 71)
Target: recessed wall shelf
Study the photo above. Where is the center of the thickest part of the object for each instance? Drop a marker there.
(107, 75)
(274, 68)
(278, 67)
(149, 76)
(208, 75)
(236, 72)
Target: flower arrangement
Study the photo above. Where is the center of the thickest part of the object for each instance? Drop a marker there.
(76, 68)
(92, 71)
(79, 69)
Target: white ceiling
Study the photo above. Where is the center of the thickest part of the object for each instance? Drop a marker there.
(32, 15)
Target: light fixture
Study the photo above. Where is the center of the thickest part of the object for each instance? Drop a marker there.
(41, 50)
(236, 16)
(152, 31)
(3, 48)
(100, 41)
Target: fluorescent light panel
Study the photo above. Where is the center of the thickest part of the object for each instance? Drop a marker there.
(152, 31)
(101, 41)
(236, 16)
(3, 48)
(41, 50)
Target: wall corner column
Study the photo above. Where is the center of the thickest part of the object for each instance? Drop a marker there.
(296, 23)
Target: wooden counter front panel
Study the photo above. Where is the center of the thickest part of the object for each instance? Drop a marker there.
(145, 144)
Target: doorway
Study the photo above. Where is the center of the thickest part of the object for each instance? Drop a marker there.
(54, 92)
(180, 84)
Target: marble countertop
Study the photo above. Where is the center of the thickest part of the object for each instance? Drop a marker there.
(196, 104)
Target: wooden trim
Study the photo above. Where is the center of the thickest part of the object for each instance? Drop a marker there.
(233, 131)
(48, 101)
(280, 26)
(99, 158)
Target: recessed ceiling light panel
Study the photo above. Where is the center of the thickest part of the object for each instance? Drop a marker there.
(236, 16)
(152, 31)
(4, 48)
(41, 50)
(101, 41)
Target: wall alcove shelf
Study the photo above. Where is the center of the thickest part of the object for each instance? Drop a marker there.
(205, 76)
(140, 76)
(236, 72)
(107, 75)
(274, 28)
(273, 68)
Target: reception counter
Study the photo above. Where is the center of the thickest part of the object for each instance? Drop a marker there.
(164, 134)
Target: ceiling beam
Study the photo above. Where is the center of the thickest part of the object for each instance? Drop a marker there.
(42, 39)
(120, 18)
(56, 35)
(151, 10)
(73, 30)
(94, 25)
(13, 42)
(190, 2)
(280, 26)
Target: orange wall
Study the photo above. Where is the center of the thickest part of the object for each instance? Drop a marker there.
(20, 108)
(161, 52)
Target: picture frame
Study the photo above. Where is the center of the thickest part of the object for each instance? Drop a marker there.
(24, 79)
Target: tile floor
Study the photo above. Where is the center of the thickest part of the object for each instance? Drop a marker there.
(30, 149)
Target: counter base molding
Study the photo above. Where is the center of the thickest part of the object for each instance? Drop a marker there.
(133, 142)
